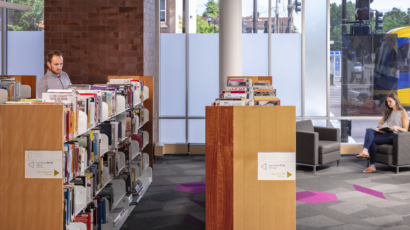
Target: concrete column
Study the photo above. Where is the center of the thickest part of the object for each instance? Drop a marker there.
(230, 40)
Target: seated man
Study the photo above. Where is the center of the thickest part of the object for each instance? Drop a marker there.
(55, 78)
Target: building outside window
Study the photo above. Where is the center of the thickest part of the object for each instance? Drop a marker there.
(162, 11)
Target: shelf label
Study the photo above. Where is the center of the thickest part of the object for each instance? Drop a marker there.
(276, 166)
(44, 164)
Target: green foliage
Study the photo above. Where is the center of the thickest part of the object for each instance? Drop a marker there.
(392, 19)
(202, 26)
(336, 23)
(26, 21)
(395, 19)
(212, 8)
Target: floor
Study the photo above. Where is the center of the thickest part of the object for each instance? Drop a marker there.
(165, 208)
(336, 198)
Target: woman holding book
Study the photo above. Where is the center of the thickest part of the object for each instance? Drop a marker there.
(397, 120)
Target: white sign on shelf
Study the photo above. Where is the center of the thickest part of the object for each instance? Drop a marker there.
(43, 164)
(276, 165)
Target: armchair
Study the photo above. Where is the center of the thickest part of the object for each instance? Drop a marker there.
(316, 145)
(396, 155)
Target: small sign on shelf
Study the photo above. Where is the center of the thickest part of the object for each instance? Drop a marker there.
(43, 164)
(276, 166)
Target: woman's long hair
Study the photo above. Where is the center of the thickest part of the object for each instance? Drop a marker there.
(388, 110)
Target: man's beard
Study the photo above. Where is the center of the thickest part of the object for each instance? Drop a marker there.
(55, 72)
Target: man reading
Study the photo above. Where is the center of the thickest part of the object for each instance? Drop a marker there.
(55, 78)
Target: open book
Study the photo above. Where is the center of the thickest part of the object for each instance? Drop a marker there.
(383, 129)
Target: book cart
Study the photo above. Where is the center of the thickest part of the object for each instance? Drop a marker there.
(38, 203)
(247, 185)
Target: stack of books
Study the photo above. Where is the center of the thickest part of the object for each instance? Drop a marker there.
(241, 92)
(236, 94)
(264, 94)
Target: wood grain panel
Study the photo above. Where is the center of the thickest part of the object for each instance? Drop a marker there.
(261, 205)
(254, 78)
(219, 168)
(29, 204)
(30, 80)
(148, 104)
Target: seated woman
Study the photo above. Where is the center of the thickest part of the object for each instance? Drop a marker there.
(396, 118)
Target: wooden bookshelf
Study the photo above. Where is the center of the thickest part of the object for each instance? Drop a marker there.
(148, 104)
(30, 80)
(235, 198)
(29, 204)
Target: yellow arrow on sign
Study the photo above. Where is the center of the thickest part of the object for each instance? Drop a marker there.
(289, 174)
(55, 172)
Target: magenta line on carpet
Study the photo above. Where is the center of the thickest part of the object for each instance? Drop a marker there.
(369, 191)
(195, 187)
(315, 197)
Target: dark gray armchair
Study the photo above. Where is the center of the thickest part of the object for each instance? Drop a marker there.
(316, 145)
(395, 155)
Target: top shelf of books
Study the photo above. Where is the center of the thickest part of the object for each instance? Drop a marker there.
(248, 91)
(87, 106)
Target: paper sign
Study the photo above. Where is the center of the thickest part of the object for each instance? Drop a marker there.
(44, 164)
(276, 165)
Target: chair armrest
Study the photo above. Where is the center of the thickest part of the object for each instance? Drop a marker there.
(328, 134)
(401, 148)
(307, 147)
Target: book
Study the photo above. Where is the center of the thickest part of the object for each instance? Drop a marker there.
(383, 129)
(264, 93)
(230, 102)
(234, 94)
(84, 217)
(269, 102)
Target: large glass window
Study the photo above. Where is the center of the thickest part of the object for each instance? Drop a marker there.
(347, 74)
(369, 60)
(186, 99)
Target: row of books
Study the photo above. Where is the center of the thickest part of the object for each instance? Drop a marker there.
(241, 92)
(93, 215)
(86, 105)
(12, 87)
(103, 166)
(92, 166)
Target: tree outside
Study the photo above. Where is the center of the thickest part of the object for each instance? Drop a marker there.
(26, 21)
(212, 9)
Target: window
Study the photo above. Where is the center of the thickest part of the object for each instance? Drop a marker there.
(25, 34)
(163, 11)
(369, 61)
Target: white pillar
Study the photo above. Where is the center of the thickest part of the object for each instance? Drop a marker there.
(230, 40)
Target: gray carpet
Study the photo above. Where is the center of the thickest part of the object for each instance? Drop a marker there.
(163, 207)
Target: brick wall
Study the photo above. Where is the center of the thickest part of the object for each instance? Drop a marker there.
(101, 38)
(149, 54)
